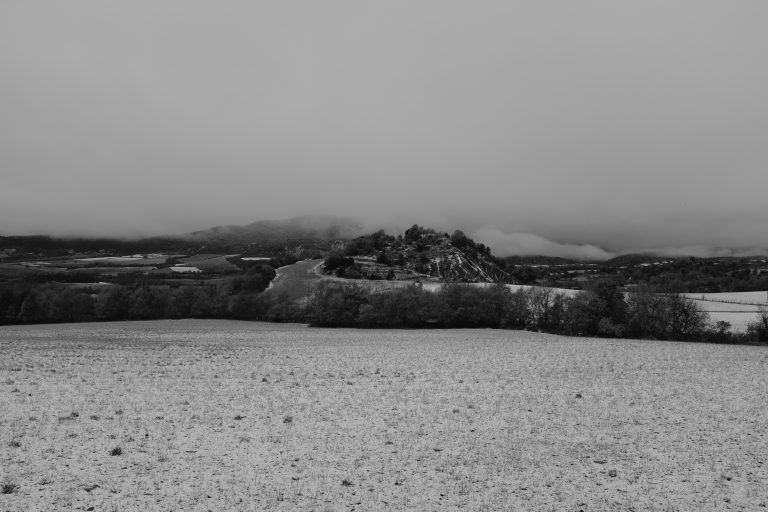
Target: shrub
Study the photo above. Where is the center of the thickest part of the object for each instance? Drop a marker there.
(583, 314)
(113, 304)
(468, 306)
(759, 328)
(334, 305)
(608, 329)
(405, 307)
(669, 316)
(720, 333)
(685, 320)
(337, 261)
(518, 313)
(350, 272)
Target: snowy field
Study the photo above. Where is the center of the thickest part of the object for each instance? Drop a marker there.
(220, 415)
(737, 308)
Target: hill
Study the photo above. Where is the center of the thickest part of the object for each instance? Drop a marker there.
(305, 235)
(418, 253)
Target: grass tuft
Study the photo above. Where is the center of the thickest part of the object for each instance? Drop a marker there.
(116, 451)
(8, 488)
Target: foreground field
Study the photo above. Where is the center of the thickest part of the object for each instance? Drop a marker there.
(216, 415)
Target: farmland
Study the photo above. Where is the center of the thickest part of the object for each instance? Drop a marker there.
(737, 308)
(222, 415)
(106, 267)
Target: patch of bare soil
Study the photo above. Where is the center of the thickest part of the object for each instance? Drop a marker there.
(216, 415)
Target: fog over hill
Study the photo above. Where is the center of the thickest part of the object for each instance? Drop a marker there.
(329, 227)
(313, 233)
(584, 129)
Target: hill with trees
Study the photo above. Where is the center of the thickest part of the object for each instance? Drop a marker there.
(419, 253)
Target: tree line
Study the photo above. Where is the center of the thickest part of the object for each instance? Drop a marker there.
(136, 297)
(678, 275)
(602, 311)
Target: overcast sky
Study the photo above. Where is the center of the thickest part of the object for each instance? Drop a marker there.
(561, 126)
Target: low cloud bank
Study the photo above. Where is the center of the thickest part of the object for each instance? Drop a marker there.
(700, 251)
(527, 244)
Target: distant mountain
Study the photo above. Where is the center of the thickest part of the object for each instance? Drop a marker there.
(304, 234)
(52, 246)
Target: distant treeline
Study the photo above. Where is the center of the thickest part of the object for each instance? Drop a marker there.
(139, 298)
(603, 311)
(674, 275)
(703, 276)
(51, 246)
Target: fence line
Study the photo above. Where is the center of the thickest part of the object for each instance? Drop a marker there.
(726, 301)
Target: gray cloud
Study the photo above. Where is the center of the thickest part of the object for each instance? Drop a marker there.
(526, 244)
(620, 125)
(706, 252)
